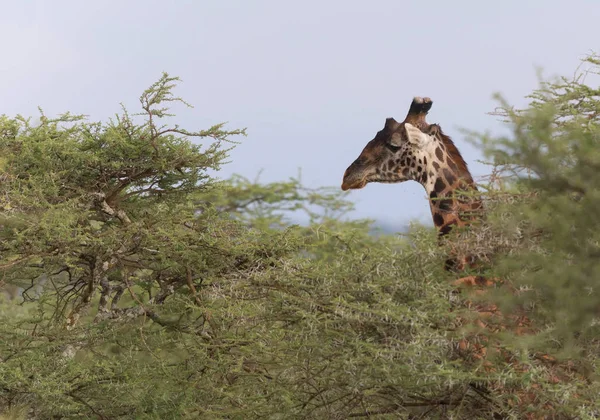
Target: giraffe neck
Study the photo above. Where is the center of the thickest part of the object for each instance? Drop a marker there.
(453, 196)
(454, 205)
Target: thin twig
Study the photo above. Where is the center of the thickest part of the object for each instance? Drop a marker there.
(192, 287)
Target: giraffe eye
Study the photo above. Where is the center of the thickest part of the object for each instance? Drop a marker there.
(392, 147)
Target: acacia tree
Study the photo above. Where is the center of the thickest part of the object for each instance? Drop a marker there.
(541, 237)
(552, 158)
(97, 208)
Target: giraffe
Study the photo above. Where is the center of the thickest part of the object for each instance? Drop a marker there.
(418, 151)
(415, 150)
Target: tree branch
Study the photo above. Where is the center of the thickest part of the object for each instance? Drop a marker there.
(119, 214)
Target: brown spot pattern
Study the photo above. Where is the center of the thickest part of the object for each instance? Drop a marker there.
(439, 185)
(450, 177)
(439, 154)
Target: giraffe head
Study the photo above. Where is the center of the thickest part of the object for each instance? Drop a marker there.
(399, 152)
(416, 150)
(411, 150)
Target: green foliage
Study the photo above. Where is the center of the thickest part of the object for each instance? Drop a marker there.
(165, 293)
(151, 290)
(269, 206)
(554, 155)
(542, 235)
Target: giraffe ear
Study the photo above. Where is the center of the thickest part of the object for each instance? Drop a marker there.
(398, 138)
(414, 135)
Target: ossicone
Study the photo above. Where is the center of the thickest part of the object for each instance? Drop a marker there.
(419, 108)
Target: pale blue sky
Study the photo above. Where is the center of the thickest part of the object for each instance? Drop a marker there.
(313, 81)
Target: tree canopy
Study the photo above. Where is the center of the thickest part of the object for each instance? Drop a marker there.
(149, 288)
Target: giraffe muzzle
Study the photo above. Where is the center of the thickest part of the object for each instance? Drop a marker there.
(352, 181)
